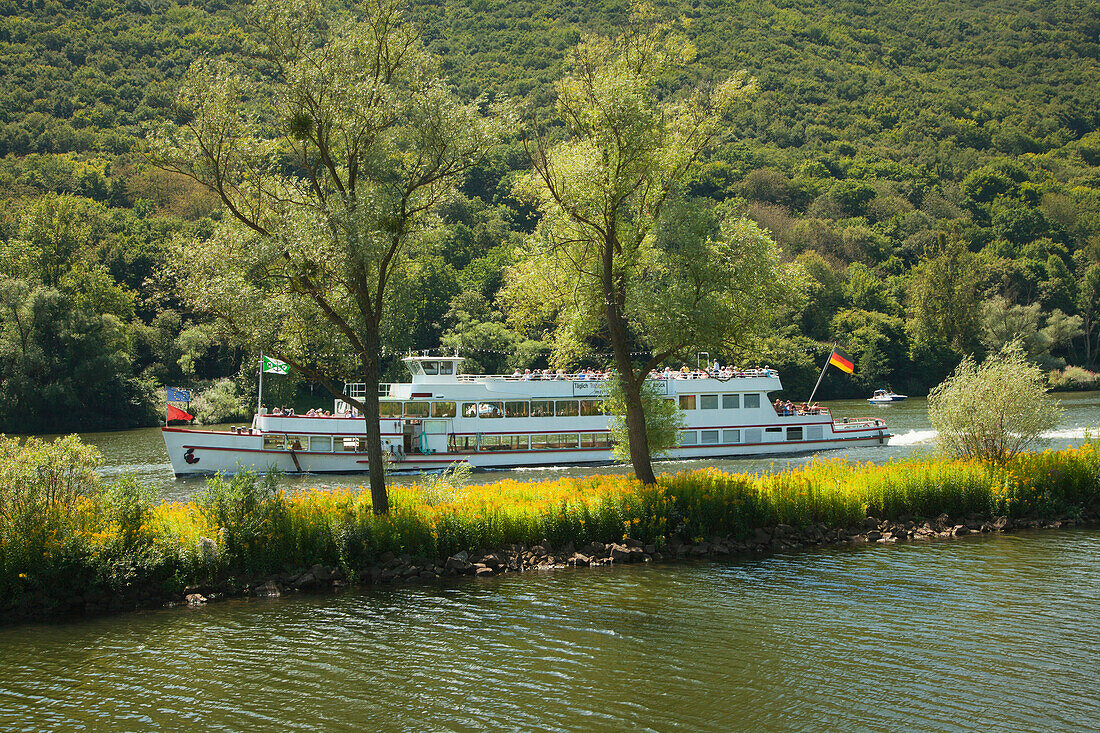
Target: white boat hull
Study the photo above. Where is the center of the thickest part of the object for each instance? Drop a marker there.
(442, 418)
(195, 452)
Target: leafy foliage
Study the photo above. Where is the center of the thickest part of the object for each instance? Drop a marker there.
(993, 410)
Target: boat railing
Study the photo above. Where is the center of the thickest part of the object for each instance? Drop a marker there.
(584, 377)
(860, 422)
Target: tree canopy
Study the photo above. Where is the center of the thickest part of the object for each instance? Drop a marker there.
(331, 167)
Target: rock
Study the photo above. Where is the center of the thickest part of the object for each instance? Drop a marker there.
(1000, 523)
(594, 549)
(960, 529)
(195, 599)
(305, 581)
(410, 571)
(482, 571)
(270, 589)
(650, 549)
(458, 563)
(631, 543)
(761, 536)
(580, 560)
(618, 553)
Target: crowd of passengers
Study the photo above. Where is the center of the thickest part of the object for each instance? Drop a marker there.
(289, 412)
(802, 408)
(716, 371)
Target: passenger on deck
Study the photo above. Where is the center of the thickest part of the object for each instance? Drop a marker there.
(516, 374)
(527, 375)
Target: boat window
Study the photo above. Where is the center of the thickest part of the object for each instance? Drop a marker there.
(297, 442)
(688, 437)
(353, 445)
(490, 409)
(447, 367)
(492, 443)
(469, 409)
(515, 409)
(731, 436)
(542, 408)
(567, 440)
(417, 409)
(814, 432)
(708, 437)
(462, 443)
(503, 442)
(443, 409)
(752, 435)
(794, 433)
(389, 409)
(595, 440)
(565, 408)
(322, 444)
(773, 430)
(708, 402)
(431, 367)
(752, 401)
(687, 402)
(414, 367)
(590, 408)
(731, 401)
(274, 442)
(543, 442)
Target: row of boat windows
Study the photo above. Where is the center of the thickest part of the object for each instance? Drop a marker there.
(551, 408)
(315, 443)
(750, 435)
(557, 441)
(455, 443)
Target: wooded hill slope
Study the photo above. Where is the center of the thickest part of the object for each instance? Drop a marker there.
(935, 166)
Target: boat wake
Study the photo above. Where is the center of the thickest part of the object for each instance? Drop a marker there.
(913, 437)
(1066, 434)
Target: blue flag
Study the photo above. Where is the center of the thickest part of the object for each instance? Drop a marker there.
(178, 394)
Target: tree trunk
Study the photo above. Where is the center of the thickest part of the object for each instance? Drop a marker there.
(379, 499)
(639, 439)
(619, 332)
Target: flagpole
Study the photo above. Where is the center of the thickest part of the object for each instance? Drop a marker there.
(821, 376)
(260, 391)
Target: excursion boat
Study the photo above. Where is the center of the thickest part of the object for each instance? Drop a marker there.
(885, 397)
(444, 417)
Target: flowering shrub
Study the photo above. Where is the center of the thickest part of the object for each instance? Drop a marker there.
(115, 537)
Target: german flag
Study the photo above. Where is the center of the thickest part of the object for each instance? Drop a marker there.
(842, 361)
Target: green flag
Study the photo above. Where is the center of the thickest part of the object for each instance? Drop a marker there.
(274, 366)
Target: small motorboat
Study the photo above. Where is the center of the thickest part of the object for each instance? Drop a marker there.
(885, 397)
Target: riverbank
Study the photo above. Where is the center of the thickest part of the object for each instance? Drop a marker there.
(392, 570)
(73, 547)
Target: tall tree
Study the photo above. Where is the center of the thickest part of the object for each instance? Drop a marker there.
(619, 253)
(330, 165)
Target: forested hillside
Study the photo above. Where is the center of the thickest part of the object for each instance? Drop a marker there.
(935, 168)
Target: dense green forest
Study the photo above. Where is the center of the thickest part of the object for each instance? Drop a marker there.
(934, 167)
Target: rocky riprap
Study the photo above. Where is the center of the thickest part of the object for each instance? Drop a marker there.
(392, 569)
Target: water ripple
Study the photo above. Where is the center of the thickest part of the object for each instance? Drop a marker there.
(970, 635)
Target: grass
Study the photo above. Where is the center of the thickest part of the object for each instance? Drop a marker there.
(84, 538)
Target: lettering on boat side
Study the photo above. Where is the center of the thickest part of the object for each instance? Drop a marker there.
(581, 389)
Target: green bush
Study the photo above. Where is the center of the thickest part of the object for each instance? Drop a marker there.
(250, 512)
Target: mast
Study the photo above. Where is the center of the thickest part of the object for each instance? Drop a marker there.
(821, 376)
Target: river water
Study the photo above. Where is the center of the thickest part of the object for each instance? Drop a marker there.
(983, 633)
(142, 453)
